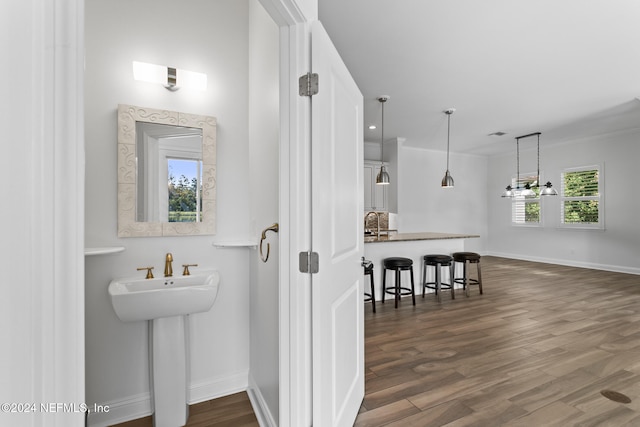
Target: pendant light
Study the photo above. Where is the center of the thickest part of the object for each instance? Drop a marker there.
(447, 181)
(527, 191)
(383, 176)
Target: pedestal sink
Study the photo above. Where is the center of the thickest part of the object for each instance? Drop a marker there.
(165, 302)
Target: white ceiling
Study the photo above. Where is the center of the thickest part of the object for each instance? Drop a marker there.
(566, 68)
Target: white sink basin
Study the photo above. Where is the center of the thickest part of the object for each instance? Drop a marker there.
(138, 298)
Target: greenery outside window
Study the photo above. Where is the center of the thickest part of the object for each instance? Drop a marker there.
(185, 190)
(581, 192)
(526, 211)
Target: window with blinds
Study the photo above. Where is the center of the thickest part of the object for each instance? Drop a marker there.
(581, 192)
(525, 210)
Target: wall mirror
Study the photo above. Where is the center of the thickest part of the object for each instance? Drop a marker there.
(166, 173)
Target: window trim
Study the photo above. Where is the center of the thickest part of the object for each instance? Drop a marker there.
(600, 225)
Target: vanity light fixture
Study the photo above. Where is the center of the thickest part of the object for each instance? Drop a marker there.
(447, 181)
(383, 176)
(171, 78)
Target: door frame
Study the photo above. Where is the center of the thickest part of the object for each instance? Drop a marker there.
(295, 386)
(46, 343)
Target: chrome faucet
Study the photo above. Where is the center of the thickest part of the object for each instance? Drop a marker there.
(377, 216)
(168, 269)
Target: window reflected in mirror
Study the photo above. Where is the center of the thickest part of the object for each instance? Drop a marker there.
(169, 173)
(184, 190)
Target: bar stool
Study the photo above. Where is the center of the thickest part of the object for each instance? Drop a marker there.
(368, 271)
(397, 264)
(437, 261)
(465, 280)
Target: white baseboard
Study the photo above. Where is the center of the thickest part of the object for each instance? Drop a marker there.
(260, 408)
(139, 406)
(569, 263)
(218, 387)
(121, 410)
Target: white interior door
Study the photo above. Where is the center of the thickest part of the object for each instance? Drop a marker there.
(337, 237)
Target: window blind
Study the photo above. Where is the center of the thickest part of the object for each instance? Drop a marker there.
(580, 190)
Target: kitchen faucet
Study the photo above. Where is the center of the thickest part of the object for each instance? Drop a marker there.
(377, 216)
(168, 269)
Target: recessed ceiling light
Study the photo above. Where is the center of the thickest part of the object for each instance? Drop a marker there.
(499, 133)
(372, 127)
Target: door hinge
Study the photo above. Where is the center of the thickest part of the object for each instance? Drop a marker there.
(309, 262)
(308, 84)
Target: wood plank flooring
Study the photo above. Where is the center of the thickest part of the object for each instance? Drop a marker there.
(535, 350)
(229, 411)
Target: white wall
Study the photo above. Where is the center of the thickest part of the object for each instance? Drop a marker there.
(372, 150)
(474, 205)
(199, 35)
(264, 174)
(615, 248)
(423, 205)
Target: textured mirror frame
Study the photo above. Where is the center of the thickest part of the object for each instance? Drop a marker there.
(128, 115)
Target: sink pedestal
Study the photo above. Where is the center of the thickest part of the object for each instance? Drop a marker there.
(168, 345)
(165, 302)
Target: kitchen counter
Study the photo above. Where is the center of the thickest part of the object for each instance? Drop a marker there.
(406, 237)
(414, 246)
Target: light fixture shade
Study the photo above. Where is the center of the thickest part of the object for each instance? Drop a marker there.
(383, 176)
(508, 192)
(528, 192)
(150, 73)
(192, 80)
(447, 181)
(548, 190)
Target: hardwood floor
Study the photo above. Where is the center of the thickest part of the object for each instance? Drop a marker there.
(229, 411)
(536, 350)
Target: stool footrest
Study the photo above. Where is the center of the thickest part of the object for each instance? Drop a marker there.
(471, 281)
(434, 285)
(403, 291)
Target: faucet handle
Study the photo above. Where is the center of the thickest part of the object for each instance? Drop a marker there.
(186, 272)
(149, 273)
